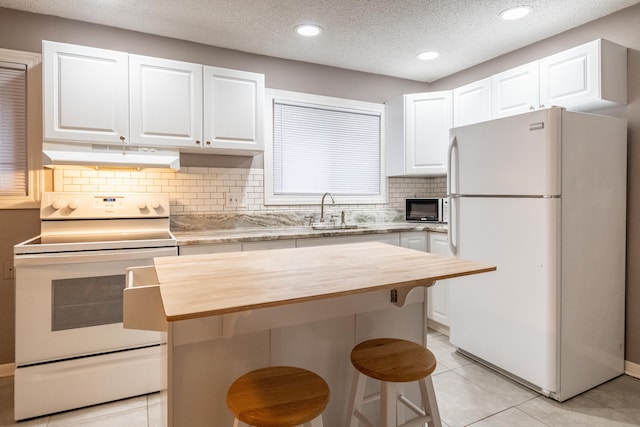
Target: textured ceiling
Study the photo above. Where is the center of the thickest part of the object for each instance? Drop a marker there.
(377, 36)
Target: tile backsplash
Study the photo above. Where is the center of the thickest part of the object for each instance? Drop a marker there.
(201, 190)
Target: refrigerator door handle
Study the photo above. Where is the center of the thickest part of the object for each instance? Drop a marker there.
(453, 223)
(453, 211)
(453, 144)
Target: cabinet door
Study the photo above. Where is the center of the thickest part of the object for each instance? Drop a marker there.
(85, 93)
(166, 102)
(233, 109)
(515, 91)
(414, 240)
(428, 118)
(390, 238)
(438, 294)
(268, 245)
(210, 248)
(584, 77)
(472, 103)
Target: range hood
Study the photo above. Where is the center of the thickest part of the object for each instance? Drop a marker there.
(61, 154)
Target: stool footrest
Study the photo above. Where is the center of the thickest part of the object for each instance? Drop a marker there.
(417, 422)
(409, 404)
(360, 416)
(371, 398)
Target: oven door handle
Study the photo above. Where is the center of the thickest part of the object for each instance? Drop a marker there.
(92, 256)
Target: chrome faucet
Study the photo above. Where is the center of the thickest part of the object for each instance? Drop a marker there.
(322, 205)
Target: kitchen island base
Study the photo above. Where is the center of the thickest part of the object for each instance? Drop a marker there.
(230, 313)
(201, 369)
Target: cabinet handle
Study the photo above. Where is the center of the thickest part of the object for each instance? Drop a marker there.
(122, 138)
(198, 141)
(208, 142)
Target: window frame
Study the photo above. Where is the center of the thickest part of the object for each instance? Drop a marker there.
(33, 61)
(270, 198)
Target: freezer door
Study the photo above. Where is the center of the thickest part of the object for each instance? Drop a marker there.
(518, 155)
(508, 317)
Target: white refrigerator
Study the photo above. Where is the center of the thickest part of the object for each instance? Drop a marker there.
(542, 196)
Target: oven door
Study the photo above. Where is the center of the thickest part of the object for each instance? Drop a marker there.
(70, 304)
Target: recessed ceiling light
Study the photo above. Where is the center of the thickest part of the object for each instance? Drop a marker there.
(308, 30)
(427, 56)
(516, 12)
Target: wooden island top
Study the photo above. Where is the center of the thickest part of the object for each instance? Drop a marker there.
(196, 286)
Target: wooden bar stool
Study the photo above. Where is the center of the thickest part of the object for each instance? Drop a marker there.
(278, 396)
(393, 362)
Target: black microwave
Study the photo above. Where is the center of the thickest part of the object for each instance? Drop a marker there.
(427, 210)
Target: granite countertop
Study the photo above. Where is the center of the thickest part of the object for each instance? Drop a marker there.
(196, 237)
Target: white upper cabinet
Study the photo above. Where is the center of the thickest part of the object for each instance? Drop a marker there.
(588, 76)
(516, 90)
(85, 94)
(166, 102)
(100, 96)
(233, 109)
(472, 103)
(417, 133)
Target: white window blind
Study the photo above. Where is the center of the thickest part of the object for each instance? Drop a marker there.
(320, 148)
(13, 129)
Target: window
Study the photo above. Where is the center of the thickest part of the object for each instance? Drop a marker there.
(317, 144)
(20, 129)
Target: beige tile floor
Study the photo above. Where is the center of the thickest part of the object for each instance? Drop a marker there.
(468, 395)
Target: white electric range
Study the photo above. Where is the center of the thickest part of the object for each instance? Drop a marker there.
(71, 347)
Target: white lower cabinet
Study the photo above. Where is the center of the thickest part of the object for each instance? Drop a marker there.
(391, 238)
(210, 248)
(438, 294)
(268, 244)
(414, 240)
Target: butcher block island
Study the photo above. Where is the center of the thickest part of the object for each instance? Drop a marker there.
(230, 313)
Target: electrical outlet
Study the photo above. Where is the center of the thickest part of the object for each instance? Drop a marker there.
(235, 200)
(7, 270)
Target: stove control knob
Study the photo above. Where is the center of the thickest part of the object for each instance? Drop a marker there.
(58, 204)
(73, 205)
(142, 205)
(155, 204)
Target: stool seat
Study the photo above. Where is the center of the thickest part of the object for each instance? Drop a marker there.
(393, 360)
(278, 396)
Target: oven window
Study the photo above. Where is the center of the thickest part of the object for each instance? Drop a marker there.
(86, 301)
